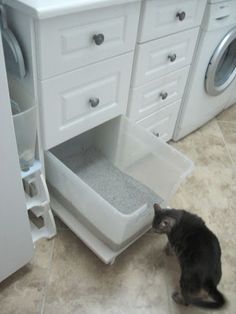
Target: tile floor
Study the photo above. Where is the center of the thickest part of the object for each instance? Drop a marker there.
(66, 277)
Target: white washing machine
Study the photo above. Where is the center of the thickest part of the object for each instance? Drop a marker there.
(213, 73)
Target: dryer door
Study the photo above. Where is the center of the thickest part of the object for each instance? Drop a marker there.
(221, 70)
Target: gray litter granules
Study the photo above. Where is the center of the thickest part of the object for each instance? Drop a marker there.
(119, 189)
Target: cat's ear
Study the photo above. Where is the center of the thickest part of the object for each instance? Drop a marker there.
(157, 207)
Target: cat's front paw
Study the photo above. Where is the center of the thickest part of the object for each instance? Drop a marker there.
(178, 298)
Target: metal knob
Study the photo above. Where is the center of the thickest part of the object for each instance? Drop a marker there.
(94, 102)
(157, 134)
(98, 39)
(181, 15)
(172, 57)
(163, 95)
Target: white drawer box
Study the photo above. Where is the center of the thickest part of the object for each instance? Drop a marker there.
(162, 56)
(164, 17)
(162, 122)
(153, 96)
(101, 209)
(67, 42)
(77, 101)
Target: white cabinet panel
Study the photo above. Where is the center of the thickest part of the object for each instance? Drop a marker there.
(16, 247)
(77, 101)
(164, 17)
(159, 93)
(71, 41)
(163, 56)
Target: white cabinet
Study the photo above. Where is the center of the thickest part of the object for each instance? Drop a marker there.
(15, 235)
(168, 33)
(81, 65)
(84, 78)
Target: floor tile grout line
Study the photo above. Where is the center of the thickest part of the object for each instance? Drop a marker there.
(47, 279)
(227, 147)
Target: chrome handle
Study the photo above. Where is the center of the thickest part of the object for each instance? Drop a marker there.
(98, 39)
(163, 95)
(157, 134)
(181, 15)
(94, 102)
(172, 57)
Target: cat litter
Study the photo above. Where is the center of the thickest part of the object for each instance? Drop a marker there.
(119, 189)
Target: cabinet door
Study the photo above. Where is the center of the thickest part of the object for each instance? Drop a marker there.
(149, 98)
(164, 17)
(80, 100)
(72, 41)
(16, 247)
(162, 56)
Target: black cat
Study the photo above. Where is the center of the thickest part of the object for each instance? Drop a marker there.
(199, 254)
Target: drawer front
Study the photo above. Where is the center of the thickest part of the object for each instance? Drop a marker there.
(162, 56)
(162, 123)
(80, 39)
(164, 17)
(151, 97)
(77, 101)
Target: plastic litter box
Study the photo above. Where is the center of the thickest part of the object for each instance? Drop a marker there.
(104, 182)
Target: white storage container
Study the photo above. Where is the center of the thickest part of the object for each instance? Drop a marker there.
(107, 180)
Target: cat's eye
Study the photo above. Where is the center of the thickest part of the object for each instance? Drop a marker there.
(164, 223)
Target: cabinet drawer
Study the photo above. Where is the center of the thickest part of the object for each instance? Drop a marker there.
(151, 97)
(162, 122)
(104, 182)
(164, 17)
(77, 101)
(71, 41)
(162, 56)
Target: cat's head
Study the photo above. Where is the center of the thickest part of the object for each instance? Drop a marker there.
(164, 219)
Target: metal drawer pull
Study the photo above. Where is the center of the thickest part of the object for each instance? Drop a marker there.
(181, 15)
(157, 134)
(163, 95)
(172, 57)
(94, 102)
(98, 39)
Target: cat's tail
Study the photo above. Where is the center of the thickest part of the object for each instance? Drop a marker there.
(217, 296)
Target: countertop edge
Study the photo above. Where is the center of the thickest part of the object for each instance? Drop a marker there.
(62, 9)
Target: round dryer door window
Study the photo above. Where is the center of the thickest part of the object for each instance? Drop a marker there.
(221, 70)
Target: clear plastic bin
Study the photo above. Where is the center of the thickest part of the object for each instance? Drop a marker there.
(25, 123)
(77, 180)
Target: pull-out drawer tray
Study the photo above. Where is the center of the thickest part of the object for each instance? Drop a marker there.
(104, 182)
